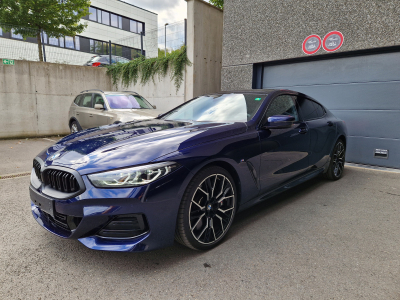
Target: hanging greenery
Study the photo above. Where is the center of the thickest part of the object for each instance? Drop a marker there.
(146, 68)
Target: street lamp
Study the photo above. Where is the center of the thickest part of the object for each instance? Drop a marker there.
(166, 39)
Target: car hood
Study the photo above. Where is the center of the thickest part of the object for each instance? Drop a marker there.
(128, 144)
(126, 115)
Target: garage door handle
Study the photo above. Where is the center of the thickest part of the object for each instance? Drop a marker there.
(303, 130)
(330, 123)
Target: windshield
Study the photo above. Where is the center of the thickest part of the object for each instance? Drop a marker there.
(219, 108)
(124, 101)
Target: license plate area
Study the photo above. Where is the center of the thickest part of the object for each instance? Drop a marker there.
(45, 204)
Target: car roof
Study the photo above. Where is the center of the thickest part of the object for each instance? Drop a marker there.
(109, 92)
(256, 91)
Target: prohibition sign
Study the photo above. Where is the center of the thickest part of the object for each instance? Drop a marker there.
(311, 44)
(333, 41)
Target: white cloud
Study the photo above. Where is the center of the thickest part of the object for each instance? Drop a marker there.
(169, 11)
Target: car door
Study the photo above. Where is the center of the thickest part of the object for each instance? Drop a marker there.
(284, 152)
(100, 116)
(85, 111)
(322, 131)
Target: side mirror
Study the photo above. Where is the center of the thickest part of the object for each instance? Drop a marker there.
(279, 122)
(98, 106)
(155, 107)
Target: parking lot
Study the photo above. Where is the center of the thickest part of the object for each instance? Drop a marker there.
(323, 240)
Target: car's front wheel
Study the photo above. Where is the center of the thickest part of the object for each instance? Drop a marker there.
(207, 209)
(336, 166)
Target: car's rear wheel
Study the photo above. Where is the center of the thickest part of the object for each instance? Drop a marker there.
(336, 166)
(74, 127)
(207, 209)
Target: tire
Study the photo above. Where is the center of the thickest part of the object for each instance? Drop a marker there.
(74, 127)
(336, 165)
(207, 209)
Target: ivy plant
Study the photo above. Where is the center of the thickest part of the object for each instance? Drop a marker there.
(145, 69)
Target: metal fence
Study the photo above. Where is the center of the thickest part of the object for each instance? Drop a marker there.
(78, 50)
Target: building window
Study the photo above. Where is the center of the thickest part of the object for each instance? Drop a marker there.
(114, 20)
(62, 42)
(105, 16)
(69, 42)
(92, 14)
(99, 15)
(44, 37)
(1, 31)
(53, 41)
(15, 36)
(111, 19)
(77, 43)
(118, 50)
(133, 27)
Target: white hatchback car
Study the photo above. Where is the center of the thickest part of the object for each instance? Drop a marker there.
(93, 108)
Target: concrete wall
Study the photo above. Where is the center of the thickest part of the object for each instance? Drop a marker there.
(269, 30)
(35, 97)
(204, 48)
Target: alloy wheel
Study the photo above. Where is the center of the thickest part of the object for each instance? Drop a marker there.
(338, 159)
(212, 209)
(74, 127)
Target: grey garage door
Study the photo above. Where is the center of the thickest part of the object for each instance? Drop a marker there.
(363, 91)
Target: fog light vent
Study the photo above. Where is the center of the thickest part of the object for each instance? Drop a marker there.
(381, 153)
(124, 227)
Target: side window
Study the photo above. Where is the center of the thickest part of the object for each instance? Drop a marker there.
(282, 105)
(310, 110)
(77, 99)
(98, 99)
(320, 110)
(87, 101)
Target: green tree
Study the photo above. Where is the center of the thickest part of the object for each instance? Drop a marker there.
(218, 3)
(57, 18)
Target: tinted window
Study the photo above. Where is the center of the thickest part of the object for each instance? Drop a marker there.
(219, 108)
(310, 110)
(87, 101)
(282, 105)
(320, 110)
(127, 102)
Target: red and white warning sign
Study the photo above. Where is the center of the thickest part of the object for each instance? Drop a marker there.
(333, 41)
(311, 44)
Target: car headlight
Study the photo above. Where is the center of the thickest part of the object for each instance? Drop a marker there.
(131, 177)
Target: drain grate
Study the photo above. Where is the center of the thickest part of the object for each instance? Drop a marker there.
(9, 176)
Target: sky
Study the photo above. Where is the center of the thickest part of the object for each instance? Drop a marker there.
(169, 11)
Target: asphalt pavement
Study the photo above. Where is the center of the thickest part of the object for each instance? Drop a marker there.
(323, 240)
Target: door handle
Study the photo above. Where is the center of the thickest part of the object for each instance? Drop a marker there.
(303, 130)
(90, 115)
(330, 123)
(77, 114)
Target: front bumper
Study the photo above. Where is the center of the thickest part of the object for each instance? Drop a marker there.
(86, 215)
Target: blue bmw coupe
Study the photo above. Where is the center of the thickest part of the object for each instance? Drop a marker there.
(137, 186)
